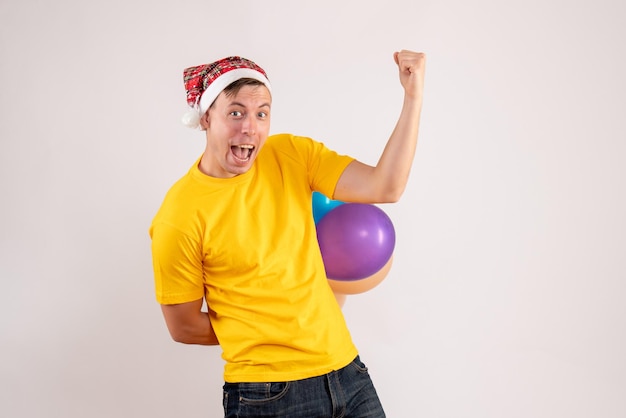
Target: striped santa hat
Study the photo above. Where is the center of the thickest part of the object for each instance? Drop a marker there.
(204, 83)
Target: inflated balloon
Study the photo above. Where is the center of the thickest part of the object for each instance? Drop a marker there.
(356, 241)
(354, 287)
(322, 205)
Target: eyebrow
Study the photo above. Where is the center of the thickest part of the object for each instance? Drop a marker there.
(242, 105)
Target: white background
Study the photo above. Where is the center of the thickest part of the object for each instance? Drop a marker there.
(506, 298)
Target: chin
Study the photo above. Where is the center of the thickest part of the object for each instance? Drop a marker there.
(240, 168)
(235, 171)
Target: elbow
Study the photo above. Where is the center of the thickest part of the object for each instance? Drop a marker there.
(390, 189)
(179, 337)
(180, 334)
(191, 336)
(394, 197)
(391, 194)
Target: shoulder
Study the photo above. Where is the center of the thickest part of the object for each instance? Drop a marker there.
(290, 145)
(179, 203)
(278, 140)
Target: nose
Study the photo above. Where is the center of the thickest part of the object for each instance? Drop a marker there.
(249, 126)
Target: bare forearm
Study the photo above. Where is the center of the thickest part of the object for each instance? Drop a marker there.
(394, 166)
(385, 182)
(187, 324)
(199, 332)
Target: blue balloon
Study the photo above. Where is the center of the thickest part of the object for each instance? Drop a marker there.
(322, 205)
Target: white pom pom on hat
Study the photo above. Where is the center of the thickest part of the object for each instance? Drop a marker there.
(204, 83)
(191, 119)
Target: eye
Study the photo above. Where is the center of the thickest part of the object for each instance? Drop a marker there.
(262, 115)
(236, 113)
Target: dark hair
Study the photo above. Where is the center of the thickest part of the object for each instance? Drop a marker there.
(233, 88)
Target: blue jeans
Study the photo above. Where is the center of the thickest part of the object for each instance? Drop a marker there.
(344, 393)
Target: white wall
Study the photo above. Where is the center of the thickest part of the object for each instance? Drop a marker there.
(506, 295)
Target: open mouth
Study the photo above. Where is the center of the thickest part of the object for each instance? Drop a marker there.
(242, 152)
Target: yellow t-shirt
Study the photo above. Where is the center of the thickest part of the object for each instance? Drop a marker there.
(248, 244)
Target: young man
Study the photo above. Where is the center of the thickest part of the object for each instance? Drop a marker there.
(238, 232)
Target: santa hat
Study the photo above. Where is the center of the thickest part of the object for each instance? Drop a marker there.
(204, 83)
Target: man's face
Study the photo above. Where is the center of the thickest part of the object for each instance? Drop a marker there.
(236, 129)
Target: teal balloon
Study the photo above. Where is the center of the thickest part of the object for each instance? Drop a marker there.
(322, 205)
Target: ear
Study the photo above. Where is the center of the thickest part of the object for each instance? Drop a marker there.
(204, 120)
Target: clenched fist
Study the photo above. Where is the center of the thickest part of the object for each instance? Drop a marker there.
(411, 66)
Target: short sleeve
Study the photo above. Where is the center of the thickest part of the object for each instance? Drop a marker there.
(177, 262)
(324, 166)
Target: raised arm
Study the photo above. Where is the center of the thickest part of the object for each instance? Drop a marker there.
(386, 182)
(188, 324)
